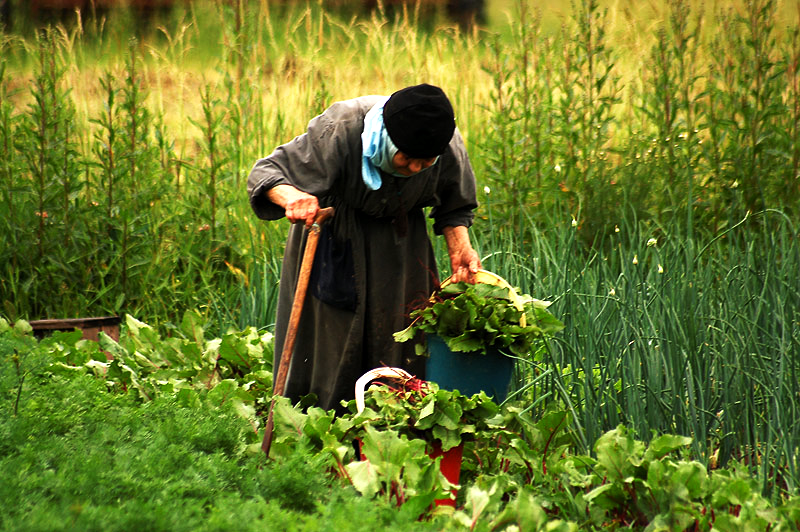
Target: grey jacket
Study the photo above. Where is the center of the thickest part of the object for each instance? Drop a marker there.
(374, 262)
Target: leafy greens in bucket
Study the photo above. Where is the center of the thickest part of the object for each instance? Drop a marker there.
(474, 318)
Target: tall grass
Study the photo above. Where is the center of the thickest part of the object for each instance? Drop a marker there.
(665, 337)
(156, 176)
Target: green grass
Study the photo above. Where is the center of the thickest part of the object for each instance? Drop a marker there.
(674, 335)
(80, 452)
(76, 457)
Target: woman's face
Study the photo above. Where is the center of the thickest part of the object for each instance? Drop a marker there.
(409, 166)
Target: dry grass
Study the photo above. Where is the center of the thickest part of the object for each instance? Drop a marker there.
(309, 55)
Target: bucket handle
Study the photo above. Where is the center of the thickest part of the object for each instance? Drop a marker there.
(373, 374)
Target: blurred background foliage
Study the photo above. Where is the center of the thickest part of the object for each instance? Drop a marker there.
(127, 133)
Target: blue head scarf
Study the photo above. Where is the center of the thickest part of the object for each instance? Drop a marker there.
(378, 150)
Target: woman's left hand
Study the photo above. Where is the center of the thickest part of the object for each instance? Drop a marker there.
(464, 259)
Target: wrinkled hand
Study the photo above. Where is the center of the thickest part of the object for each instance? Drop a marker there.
(464, 260)
(298, 205)
(303, 209)
(465, 266)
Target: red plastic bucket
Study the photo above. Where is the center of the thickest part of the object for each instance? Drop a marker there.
(450, 466)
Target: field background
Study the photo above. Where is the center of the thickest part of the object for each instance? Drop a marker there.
(637, 162)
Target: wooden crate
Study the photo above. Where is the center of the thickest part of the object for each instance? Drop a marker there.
(91, 327)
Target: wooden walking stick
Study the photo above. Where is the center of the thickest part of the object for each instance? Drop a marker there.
(279, 384)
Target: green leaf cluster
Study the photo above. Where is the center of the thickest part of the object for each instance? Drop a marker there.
(236, 368)
(431, 414)
(385, 449)
(397, 469)
(79, 456)
(658, 487)
(81, 452)
(478, 317)
(523, 473)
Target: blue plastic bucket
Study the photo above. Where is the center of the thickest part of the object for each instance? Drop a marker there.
(469, 373)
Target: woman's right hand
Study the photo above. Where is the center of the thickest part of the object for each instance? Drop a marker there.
(299, 206)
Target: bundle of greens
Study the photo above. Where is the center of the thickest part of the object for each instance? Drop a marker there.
(478, 317)
(419, 409)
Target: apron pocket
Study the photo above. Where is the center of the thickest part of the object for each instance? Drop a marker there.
(333, 279)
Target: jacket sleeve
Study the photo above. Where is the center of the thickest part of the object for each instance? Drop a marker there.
(311, 162)
(457, 199)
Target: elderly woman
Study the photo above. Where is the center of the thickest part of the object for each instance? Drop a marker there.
(378, 161)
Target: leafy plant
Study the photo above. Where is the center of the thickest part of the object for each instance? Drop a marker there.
(477, 317)
(235, 369)
(427, 413)
(17, 347)
(81, 457)
(88, 445)
(397, 469)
